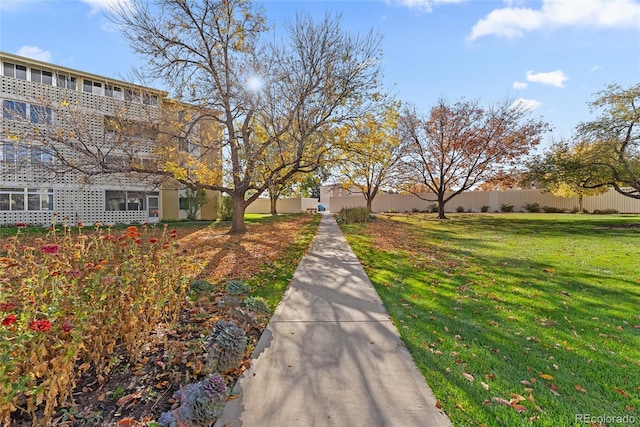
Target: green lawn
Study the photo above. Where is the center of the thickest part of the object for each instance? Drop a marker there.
(514, 319)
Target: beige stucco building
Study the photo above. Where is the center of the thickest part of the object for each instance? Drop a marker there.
(32, 189)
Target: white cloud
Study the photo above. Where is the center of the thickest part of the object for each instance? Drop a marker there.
(423, 5)
(520, 85)
(596, 68)
(526, 104)
(99, 5)
(513, 22)
(552, 78)
(34, 52)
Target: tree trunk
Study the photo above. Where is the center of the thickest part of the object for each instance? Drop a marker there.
(580, 203)
(274, 208)
(369, 203)
(441, 207)
(237, 216)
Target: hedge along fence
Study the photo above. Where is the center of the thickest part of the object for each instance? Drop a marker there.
(474, 201)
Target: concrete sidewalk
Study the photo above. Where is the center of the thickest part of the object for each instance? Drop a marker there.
(330, 355)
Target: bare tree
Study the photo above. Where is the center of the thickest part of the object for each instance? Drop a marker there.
(270, 98)
(462, 144)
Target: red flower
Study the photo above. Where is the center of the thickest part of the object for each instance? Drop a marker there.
(21, 224)
(7, 306)
(80, 224)
(153, 240)
(10, 319)
(67, 326)
(50, 248)
(40, 325)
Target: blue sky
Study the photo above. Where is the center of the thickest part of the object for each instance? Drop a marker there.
(552, 54)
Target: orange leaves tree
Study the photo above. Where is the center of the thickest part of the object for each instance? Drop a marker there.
(271, 95)
(460, 145)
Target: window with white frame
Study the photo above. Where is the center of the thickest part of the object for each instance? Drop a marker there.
(35, 155)
(132, 95)
(91, 86)
(113, 91)
(21, 199)
(14, 70)
(41, 76)
(40, 114)
(67, 82)
(14, 110)
(150, 99)
(123, 200)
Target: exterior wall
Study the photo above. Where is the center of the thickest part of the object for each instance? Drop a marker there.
(293, 205)
(74, 196)
(474, 200)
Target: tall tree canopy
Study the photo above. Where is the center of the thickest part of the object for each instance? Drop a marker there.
(564, 170)
(615, 136)
(371, 149)
(462, 144)
(270, 96)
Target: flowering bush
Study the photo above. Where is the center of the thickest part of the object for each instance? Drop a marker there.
(67, 301)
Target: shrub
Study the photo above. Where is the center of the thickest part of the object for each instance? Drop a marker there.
(605, 211)
(224, 208)
(225, 347)
(532, 207)
(71, 298)
(506, 207)
(353, 215)
(460, 209)
(485, 208)
(551, 209)
(201, 403)
(433, 208)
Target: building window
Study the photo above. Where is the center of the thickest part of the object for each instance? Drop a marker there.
(149, 99)
(113, 91)
(132, 95)
(40, 76)
(40, 114)
(124, 200)
(90, 86)
(10, 153)
(14, 110)
(13, 70)
(66, 82)
(37, 199)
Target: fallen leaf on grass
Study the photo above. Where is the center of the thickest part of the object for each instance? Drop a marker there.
(459, 406)
(622, 392)
(501, 401)
(518, 407)
(438, 406)
(546, 377)
(469, 377)
(554, 389)
(629, 408)
(580, 389)
(484, 385)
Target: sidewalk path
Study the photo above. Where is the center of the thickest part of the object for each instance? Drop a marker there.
(330, 355)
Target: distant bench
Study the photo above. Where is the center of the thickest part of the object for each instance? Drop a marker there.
(312, 210)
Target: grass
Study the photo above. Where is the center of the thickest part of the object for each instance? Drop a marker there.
(516, 319)
(274, 278)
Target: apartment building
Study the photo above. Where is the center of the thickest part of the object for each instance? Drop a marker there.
(42, 176)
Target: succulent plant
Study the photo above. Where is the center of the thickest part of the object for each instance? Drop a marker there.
(238, 287)
(226, 346)
(257, 305)
(201, 404)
